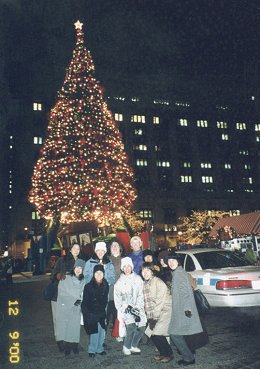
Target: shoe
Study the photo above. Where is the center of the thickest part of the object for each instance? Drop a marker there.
(91, 355)
(119, 339)
(126, 351)
(135, 350)
(166, 359)
(102, 353)
(158, 358)
(186, 363)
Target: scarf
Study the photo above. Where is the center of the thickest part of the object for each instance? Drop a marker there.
(148, 302)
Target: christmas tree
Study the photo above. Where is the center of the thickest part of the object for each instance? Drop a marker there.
(83, 172)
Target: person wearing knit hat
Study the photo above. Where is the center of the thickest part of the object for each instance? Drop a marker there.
(129, 302)
(94, 302)
(68, 309)
(100, 257)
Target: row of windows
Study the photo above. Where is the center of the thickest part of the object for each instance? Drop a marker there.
(184, 122)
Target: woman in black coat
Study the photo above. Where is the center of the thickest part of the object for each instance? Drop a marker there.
(94, 302)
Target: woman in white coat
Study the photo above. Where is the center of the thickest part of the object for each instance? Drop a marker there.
(158, 306)
(129, 302)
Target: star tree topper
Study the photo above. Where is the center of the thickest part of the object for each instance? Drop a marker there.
(78, 25)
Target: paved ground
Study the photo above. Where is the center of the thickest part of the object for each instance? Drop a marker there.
(234, 337)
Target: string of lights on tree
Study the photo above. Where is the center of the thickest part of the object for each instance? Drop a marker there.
(83, 172)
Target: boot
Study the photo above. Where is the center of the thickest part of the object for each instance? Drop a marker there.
(60, 345)
(67, 346)
(75, 348)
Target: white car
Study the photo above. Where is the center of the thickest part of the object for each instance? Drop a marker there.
(226, 278)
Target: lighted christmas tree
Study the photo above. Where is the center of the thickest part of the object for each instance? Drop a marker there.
(83, 172)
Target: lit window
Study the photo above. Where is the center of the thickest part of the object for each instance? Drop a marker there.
(227, 166)
(247, 166)
(119, 117)
(11, 146)
(248, 190)
(121, 98)
(140, 147)
(223, 125)
(257, 138)
(182, 122)
(156, 120)
(138, 118)
(250, 180)
(135, 99)
(241, 126)
(141, 162)
(205, 165)
(37, 106)
(229, 190)
(202, 123)
(157, 148)
(181, 103)
(243, 152)
(224, 137)
(170, 228)
(186, 164)
(146, 214)
(165, 164)
(252, 98)
(138, 132)
(35, 215)
(186, 179)
(162, 102)
(37, 140)
(257, 127)
(207, 179)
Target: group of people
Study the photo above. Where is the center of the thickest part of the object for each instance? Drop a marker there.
(137, 293)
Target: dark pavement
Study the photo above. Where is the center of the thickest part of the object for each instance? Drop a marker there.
(234, 337)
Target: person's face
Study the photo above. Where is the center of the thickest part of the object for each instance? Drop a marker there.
(136, 245)
(127, 269)
(75, 250)
(78, 271)
(163, 263)
(99, 275)
(100, 254)
(147, 274)
(148, 258)
(115, 249)
(173, 263)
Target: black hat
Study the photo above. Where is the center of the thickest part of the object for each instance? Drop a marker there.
(147, 252)
(97, 268)
(173, 255)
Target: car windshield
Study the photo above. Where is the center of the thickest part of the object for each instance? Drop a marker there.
(221, 259)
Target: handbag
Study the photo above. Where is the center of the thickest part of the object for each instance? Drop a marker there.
(202, 303)
(50, 291)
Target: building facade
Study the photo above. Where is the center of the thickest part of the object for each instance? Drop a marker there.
(186, 156)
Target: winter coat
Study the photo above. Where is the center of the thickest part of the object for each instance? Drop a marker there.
(63, 265)
(116, 261)
(162, 300)
(108, 267)
(183, 300)
(137, 259)
(128, 290)
(67, 314)
(93, 307)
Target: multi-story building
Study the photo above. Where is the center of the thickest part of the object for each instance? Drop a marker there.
(185, 155)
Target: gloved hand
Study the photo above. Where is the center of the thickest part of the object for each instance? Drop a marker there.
(188, 313)
(135, 312)
(60, 276)
(152, 323)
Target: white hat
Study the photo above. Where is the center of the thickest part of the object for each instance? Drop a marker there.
(126, 261)
(101, 246)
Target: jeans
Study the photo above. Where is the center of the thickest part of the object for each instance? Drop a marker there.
(96, 341)
(133, 335)
(183, 348)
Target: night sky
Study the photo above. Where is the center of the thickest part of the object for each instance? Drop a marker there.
(164, 46)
